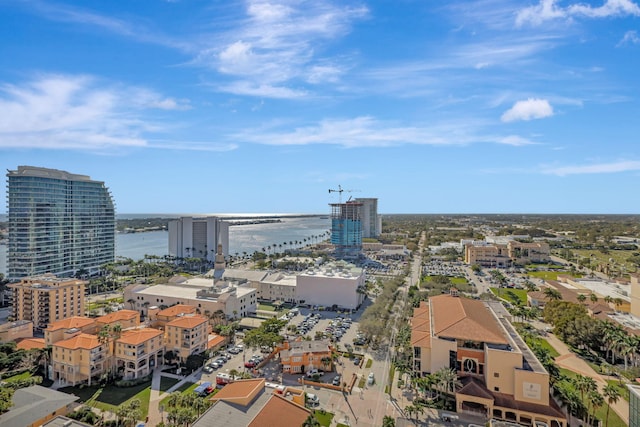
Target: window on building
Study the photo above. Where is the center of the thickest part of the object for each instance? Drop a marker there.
(496, 375)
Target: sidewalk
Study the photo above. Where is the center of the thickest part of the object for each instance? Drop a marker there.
(572, 362)
(155, 417)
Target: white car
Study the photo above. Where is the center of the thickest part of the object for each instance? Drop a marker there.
(312, 399)
(371, 379)
(313, 372)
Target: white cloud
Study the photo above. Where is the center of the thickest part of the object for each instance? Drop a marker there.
(630, 37)
(547, 10)
(366, 131)
(615, 167)
(278, 44)
(526, 110)
(515, 140)
(77, 112)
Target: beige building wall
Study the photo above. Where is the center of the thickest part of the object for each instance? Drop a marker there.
(532, 387)
(440, 353)
(137, 352)
(45, 299)
(187, 336)
(500, 367)
(635, 295)
(74, 364)
(15, 330)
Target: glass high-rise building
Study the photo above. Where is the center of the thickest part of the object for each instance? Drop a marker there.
(58, 223)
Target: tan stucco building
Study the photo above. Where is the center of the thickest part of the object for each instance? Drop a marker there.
(125, 318)
(67, 328)
(79, 358)
(187, 335)
(46, 298)
(138, 351)
(502, 255)
(501, 377)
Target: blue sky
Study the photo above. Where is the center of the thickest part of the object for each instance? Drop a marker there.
(262, 106)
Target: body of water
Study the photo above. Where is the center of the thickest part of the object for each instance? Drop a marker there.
(242, 238)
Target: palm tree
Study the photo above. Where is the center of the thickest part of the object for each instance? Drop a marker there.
(593, 297)
(552, 294)
(311, 421)
(388, 421)
(132, 302)
(581, 298)
(612, 394)
(410, 409)
(595, 402)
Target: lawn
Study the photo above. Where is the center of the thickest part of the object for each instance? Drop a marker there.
(110, 397)
(166, 383)
(369, 363)
(614, 419)
(323, 417)
(545, 275)
(619, 257)
(22, 376)
(545, 344)
(516, 296)
(624, 391)
(266, 307)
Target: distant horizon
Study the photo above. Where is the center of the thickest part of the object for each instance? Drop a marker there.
(285, 214)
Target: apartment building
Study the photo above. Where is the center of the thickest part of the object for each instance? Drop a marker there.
(526, 253)
(81, 358)
(45, 299)
(138, 351)
(67, 328)
(634, 405)
(160, 318)
(501, 378)
(125, 318)
(59, 223)
(198, 237)
(301, 356)
(187, 335)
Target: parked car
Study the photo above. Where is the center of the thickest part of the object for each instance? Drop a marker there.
(207, 369)
(356, 361)
(313, 372)
(312, 399)
(249, 364)
(336, 380)
(371, 379)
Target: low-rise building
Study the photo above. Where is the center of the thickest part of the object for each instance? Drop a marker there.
(251, 403)
(333, 284)
(501, 377)
(78, 359)
(67, 328)
(125, 318)
(161, 317)
(13, 331)
(35, 405)
(138, 351)
(298, 357)
(486, 254)
(203, 294)
(187, 335)
(502, 253)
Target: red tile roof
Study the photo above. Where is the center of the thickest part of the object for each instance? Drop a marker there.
(117, 316)
(188, 321)
(30, 344)
(138, 336)
(86, 341)
(280, 412)
(70, 323)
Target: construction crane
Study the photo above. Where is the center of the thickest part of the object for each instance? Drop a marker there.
(340, 190)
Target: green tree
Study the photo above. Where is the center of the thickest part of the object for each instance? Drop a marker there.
(612, 395)
(388, 421)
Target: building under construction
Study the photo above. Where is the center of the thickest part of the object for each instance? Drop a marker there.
(346, 229)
